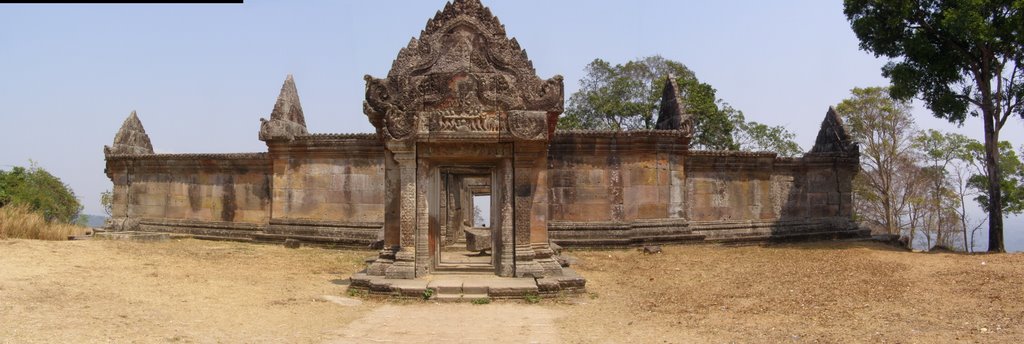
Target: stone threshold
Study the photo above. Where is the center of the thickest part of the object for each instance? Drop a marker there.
(469, 287)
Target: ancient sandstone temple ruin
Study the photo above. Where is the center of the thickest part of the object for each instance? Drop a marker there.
(462, 114)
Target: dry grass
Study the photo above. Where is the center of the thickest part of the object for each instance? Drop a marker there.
(826, 292)
(17, 221)
(201, 291)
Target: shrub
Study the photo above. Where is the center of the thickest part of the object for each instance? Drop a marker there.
(18, 221)
(41, 192)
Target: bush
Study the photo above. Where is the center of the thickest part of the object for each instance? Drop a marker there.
(18, 221)
(41, 192)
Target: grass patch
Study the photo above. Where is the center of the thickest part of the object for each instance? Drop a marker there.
(428, 293)
(18, 222)
(482, 301)
(356, 292)
(532, 298)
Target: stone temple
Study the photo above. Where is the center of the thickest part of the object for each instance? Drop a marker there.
(462, 119)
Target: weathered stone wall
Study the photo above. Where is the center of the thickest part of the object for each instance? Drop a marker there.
(605, 189)
(617, 188)
(628, 188)
(757, 196)
(218, 195)
(615, 176)
(327, 188)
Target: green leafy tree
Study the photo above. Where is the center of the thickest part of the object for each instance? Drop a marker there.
(1011, 182)
(962, 57)
(884, 128)
(42, 192)
(627, 96)
(945, 155)
(754, 136)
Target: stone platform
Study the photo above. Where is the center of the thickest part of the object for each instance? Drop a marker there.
(469, 287)
(133, 236)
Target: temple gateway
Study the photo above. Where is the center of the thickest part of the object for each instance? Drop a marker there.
(467, 173)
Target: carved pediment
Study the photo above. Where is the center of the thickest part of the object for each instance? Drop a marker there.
(463, 74)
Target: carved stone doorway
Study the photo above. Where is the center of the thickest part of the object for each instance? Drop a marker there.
(461, 239)
(449, 175)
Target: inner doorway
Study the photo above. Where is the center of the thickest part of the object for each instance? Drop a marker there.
(466, 240)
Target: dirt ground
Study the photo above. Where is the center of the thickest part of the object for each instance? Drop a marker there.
(201, 291)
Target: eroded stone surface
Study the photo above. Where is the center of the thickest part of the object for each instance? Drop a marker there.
(130, 139)
(286, 120)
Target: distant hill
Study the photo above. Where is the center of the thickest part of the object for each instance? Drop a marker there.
(95, 221)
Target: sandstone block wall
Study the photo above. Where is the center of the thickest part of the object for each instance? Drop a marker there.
(604, 189)
(327, 188)
(629, 188)
(203, 194)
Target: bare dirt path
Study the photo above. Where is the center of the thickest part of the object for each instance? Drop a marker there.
(189, 291)
(454, 323)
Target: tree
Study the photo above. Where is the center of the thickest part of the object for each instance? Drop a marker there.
(39, 190)
(1011, 181)
(478, 217)
(627, 96)
(107, 201)
(754, 136)
(950, 154)
(884, 128)
(962, 58)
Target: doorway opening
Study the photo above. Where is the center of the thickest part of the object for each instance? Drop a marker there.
(466, 240)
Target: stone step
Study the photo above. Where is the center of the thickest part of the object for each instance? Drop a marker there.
(446, 287)
(467, 288)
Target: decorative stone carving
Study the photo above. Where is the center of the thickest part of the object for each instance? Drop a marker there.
(462, 75)
(131, 139)
(528, 125)
(286, 120)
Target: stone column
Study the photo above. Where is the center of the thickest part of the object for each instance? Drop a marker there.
(530, 158)
(404, 265)
(392, 218)
(503, 197)
(425, 195)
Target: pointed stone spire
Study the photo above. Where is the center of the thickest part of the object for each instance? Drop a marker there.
(131, 139)
(671, 116)
(832, 137)
(286, 120)
(288, 106)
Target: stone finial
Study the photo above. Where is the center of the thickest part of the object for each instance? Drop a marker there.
(131, 139)
(671, 116)
(832, 137)
(288, 106)
(286, 120)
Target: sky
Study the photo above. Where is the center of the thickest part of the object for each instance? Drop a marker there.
(201, 76)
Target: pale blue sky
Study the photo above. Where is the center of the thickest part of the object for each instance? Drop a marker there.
(200, 76)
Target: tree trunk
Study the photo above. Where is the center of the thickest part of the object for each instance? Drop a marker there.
(995, 194)
(968, 247)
